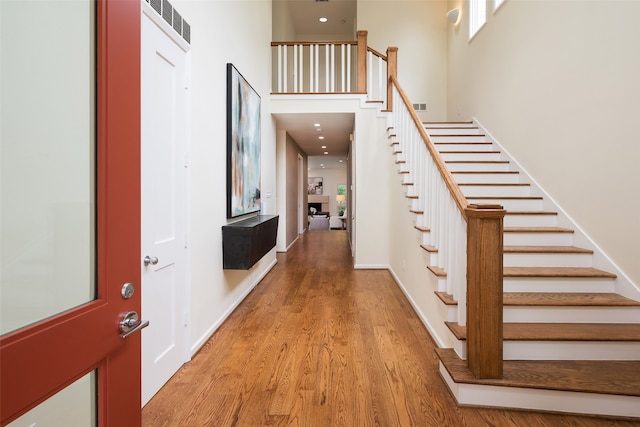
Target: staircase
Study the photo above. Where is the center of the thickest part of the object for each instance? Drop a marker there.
(571, 343)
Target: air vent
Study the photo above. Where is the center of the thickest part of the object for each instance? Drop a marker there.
(420, 107)
(173, 18)
(318, 1)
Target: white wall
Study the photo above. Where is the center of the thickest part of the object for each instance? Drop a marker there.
(556, 83)
(238, 32)
(419, 30)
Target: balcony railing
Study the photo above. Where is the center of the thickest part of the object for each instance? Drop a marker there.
(330, 68)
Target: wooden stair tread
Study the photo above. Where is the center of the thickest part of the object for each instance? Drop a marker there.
(537, 230)
(398, 162)
(556, 299)
(546, 250)
(448, 123)
(446, 298)
(495, 184)
(412, 197)
(531, 213)
(437, 271)
(485, 172)
(629, 332)
(587, 376)
(429, 248)
(395, 143)
(416, 211)
(566, 272)
(403, 172)
(478, 161)
(461, 142)
(470, 152)
(568, 299)
(455, 135)
(422, 228)
(505, 197)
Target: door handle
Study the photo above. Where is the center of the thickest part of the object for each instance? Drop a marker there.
(129, 324)
(150, 260)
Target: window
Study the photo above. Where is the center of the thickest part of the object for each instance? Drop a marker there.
(477, 16)
(497, 4)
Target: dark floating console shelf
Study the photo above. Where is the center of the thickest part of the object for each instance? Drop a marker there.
(245, 242)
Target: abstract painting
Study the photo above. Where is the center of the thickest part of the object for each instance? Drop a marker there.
(243, 146)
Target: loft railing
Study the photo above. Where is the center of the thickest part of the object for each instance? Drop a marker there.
(330, 68)
(468, 237)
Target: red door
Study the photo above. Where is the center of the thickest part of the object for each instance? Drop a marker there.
(39, 360)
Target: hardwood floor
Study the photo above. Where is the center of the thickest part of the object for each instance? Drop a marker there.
(318, 343)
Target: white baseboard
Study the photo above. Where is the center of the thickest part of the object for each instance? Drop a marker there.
(371, 266)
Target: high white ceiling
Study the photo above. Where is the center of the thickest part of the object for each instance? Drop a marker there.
(336, 128)
(341, 15)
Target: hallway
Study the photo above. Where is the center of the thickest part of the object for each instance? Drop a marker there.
(318, 343)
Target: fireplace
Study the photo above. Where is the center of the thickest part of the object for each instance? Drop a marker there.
(317, 206)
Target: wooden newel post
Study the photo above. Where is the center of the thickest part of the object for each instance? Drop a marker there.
(484, 289)
(392, 71)
(362, 61)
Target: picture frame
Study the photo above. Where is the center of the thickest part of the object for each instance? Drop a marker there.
(315, 185)
(243, 145)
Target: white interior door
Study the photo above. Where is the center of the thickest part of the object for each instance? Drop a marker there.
(164, 69)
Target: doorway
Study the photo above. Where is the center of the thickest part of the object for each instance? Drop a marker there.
(165, 75)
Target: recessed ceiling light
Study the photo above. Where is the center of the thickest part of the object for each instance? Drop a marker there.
(316, 124)
(326, 152)
(340, 160)
(324, 146)
(323, 19)
(321, 137)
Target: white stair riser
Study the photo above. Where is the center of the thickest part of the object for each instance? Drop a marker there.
(568, 350)
(547, 260)
(458, 146)
(469, 156)
(537, 239)
(424, 238)
(550, 284)
(483, 178)
(530, 220)
(458, 138)
(547, 314)
(545, 400)
(453, 130)
(512, 204)
(431, 258)
(495, 191)
(468, 166)
(571, 350)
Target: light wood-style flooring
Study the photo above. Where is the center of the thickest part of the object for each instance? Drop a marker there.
(319, 344)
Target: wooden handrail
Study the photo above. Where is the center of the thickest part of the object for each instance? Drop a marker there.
(456, 193)
(337, 43)
(376, 53)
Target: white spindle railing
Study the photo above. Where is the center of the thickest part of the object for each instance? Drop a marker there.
(376, 76)
(317, 67)
(441, 212)
(314, 67)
